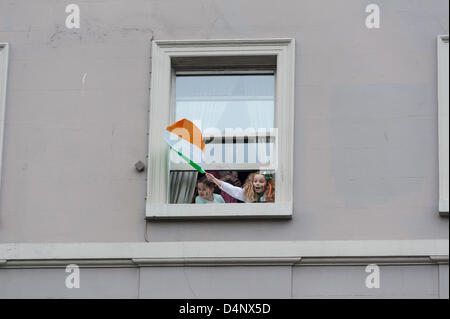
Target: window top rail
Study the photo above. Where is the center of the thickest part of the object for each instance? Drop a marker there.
(225, 71)
(226, 98)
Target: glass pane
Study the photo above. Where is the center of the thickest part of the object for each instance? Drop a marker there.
(226, 101)
(260, 153)
(245, 105)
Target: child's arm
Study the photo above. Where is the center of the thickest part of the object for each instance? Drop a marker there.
(233, 191)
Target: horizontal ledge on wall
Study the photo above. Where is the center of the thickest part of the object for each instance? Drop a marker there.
(439, 259)
(216, 262)
(63, 263)
(414, 260)
(222, 253)
(243, 261)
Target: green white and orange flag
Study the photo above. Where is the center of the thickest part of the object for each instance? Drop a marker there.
(186, 139)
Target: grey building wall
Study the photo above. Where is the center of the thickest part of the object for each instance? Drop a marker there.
(277, 282)
(366, 118)
(366, 164)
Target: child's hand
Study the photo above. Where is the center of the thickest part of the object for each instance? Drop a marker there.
(210, 177)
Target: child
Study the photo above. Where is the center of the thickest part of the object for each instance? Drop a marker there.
(206, 193)
(257, 188)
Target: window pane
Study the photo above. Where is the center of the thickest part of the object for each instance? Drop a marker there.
(221, 102)
(226, 101)
(261, 153)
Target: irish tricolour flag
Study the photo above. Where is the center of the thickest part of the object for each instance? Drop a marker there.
(186, 139)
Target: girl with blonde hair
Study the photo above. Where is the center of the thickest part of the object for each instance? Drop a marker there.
(257, 188)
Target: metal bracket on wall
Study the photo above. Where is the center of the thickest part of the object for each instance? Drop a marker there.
(140, 166)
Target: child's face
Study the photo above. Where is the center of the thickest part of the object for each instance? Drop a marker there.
(203, 191)
(259, 183)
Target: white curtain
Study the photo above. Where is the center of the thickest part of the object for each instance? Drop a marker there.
(182, 187)
(226, 101)
(208, 113)
(261, 114)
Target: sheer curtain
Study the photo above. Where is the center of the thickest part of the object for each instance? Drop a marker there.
(182, 187)
(262, 114)
(226, 101)
(208, 113)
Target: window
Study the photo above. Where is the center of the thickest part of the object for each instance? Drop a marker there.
(3, 75)
(443, 101)
(241, 94)
(236, 114)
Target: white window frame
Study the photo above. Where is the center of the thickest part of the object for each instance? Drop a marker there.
(161, 100)
(443, 118)
(4, 53)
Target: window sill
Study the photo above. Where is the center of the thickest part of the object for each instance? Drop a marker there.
(223, 211)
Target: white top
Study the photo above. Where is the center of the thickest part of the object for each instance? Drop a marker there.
(237, 192)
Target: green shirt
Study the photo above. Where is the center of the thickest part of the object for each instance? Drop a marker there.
(218, 199)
